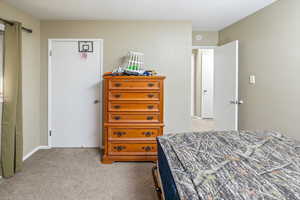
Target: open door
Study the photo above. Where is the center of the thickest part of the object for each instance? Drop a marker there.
(226, 86)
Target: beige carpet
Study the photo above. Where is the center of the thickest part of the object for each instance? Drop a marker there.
(76, 174)
(199, 124)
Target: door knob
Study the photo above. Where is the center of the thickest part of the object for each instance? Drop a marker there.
(96, 101)
(238, 102)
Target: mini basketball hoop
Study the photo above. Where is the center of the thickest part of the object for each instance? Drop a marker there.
(85, 47)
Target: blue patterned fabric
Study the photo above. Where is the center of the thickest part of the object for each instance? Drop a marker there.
(233, 165)
(170, 190)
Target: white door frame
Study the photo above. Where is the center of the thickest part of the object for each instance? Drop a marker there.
(2, 27)
(237, 85)
(50, 41)
(192, 85)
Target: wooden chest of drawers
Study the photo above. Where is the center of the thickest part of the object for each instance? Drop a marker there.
(132, 117)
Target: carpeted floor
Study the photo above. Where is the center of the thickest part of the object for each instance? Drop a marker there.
(76, 174)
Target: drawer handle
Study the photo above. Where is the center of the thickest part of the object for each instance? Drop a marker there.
(119, 133)
(150, 84)
(150, 95)
(117, 117)
(147, 148)
(149, 117)
(117, 95)
(118, 84)
(119, 148)
(117, 106)
(148, 134)
(150, 107)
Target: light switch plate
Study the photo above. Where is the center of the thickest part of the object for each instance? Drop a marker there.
(252, 79)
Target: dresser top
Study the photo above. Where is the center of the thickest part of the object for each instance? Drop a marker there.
(134, 77)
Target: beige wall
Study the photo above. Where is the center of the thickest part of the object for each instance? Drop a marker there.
(1, 71)
(167, 48)
(31, 75)
(210, 38)
(269, 49)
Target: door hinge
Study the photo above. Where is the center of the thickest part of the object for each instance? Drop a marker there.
(50, 133)
(50, 53)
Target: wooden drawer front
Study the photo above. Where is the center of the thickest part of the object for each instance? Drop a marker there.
(146, 96)
(136, 106)
(145, 118)
(132, 148)
(134, 85)
(133, 133)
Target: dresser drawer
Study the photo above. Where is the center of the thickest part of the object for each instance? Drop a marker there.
(134, 106)
(128, 117)
(132, 148)
(133, 85)
(133, 133)
(137, 96)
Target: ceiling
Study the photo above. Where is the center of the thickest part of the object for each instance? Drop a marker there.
(208, 15)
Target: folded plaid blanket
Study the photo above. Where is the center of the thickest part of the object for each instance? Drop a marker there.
(233, 165)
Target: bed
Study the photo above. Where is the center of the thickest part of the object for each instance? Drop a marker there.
(231, 165)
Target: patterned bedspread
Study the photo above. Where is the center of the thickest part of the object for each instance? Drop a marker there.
(234, 165)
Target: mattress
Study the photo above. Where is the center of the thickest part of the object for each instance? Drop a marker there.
(169, 187)
(235, 165)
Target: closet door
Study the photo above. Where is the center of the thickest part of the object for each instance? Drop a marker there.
(75, 101)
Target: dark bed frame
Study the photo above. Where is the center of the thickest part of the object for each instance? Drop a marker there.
(157, 187)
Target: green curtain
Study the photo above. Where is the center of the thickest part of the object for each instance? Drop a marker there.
(12, 136)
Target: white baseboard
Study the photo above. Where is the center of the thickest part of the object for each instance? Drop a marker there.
(196, 117)
(32, 152)
(45, 147)
(35, 150)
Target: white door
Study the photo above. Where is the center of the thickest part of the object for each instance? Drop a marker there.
(75, 101)
(193, 85)
(226, 87)
(207, 83)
